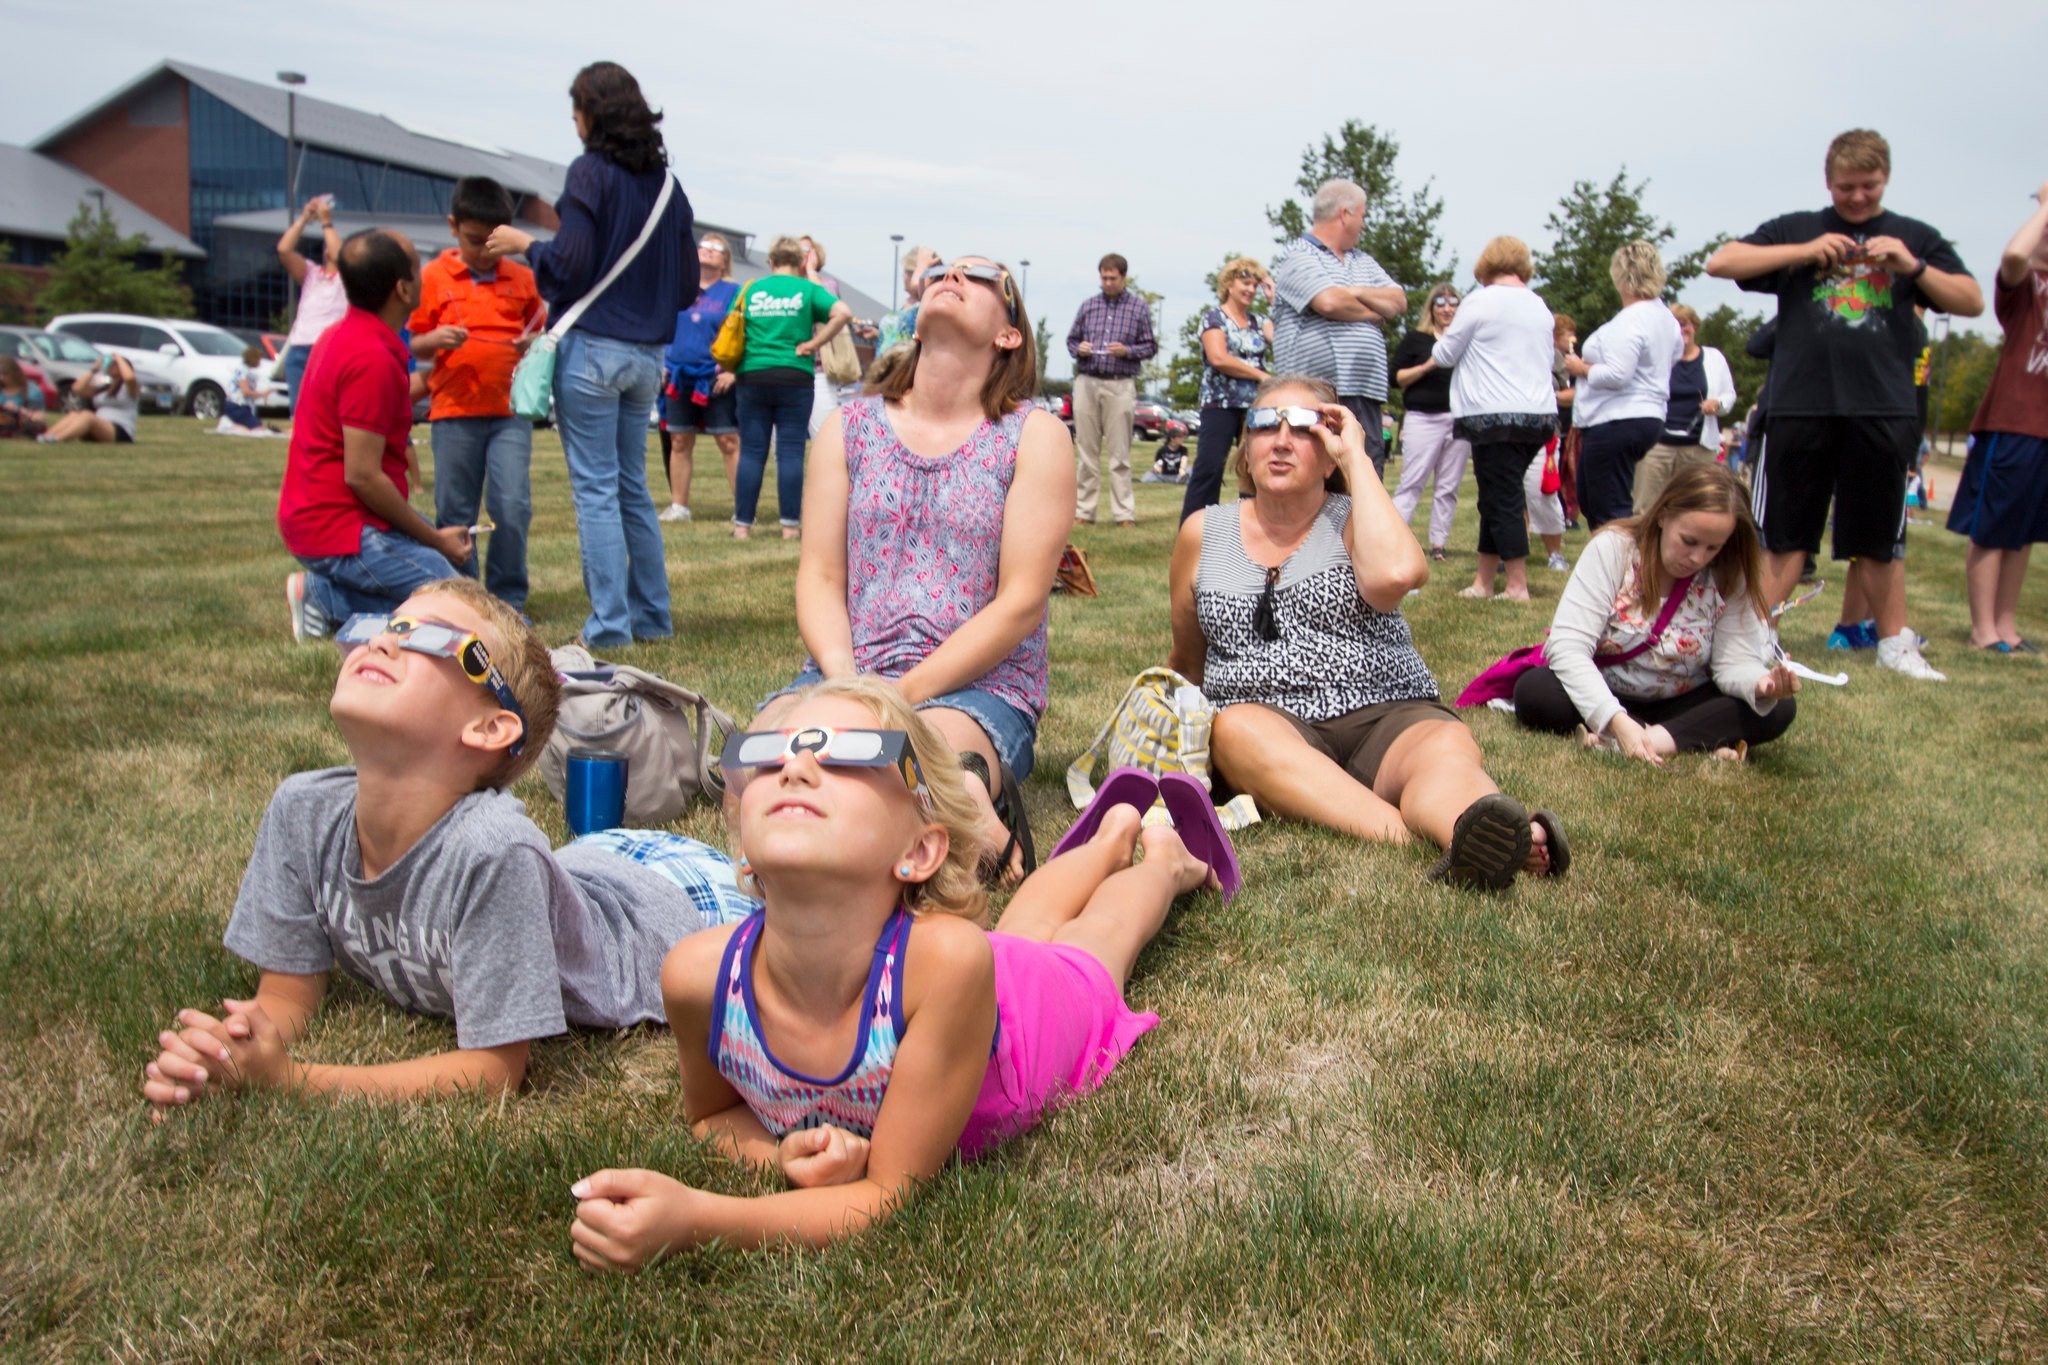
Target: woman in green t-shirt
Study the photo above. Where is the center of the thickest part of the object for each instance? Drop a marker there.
(783, 310)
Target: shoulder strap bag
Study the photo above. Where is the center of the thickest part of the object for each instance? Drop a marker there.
(533, 383)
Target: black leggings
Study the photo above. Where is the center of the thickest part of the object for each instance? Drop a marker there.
(1608, 455)
(1218, 432)
(1703, 719)
(1499, 467)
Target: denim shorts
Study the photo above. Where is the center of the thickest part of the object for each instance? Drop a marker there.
(1012, 733)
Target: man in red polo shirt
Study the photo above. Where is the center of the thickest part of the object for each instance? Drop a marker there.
(342, 509)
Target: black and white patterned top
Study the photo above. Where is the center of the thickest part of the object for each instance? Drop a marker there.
(1335, 654)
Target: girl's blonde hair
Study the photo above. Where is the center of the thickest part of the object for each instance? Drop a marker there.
(955, 888)
(1738, 570)
(1446, 290)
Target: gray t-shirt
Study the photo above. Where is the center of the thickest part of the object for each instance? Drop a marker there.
(479, 922)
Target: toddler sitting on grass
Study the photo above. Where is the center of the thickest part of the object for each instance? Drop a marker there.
(417, 872)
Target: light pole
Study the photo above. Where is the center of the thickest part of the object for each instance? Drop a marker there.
(1027, 277)
(895, 268)
(291, 80)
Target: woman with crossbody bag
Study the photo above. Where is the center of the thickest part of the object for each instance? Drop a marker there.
(1705, 674)
(616, 287)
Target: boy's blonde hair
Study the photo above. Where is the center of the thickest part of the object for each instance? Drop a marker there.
(955, 888)
(1859, 149)
(523, 659)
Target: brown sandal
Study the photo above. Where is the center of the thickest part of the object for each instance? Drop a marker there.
(1489, 844)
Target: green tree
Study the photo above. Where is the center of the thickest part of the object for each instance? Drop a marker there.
(1400, 227)
(1959, 373)
(1041, 336)
(1153, 373)
(1728, 332)
(97, 272)
(1586, 227)
(16, 291)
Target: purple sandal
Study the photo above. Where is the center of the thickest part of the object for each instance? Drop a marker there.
(1194, 819)
(1125, 787)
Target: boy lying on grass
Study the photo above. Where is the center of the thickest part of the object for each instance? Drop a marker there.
(417, 872)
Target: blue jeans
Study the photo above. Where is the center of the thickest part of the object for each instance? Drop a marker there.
(1012, 733)
(488, 459)
(388, 568)
(784, 410)
(604, 389)
(295, 358)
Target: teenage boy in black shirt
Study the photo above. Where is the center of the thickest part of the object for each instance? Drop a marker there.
(1843, 424)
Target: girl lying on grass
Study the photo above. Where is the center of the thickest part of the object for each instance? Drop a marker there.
(863, 1026)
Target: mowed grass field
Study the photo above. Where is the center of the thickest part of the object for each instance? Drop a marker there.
(1762, 1079)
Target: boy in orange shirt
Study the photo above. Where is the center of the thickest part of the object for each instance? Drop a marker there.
(476, 316)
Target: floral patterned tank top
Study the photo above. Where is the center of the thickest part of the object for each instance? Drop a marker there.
(924, 540)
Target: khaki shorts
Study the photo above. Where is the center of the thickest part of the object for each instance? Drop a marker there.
(1357, 741)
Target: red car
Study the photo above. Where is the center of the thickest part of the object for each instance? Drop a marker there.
(34, 374)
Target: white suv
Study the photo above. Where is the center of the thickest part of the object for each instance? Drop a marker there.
(196, 359)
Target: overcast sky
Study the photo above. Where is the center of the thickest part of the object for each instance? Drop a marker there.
(1160, 130)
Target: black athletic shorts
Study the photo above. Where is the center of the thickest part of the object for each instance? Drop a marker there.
(1857, 463)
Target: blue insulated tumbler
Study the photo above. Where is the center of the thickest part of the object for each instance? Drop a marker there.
(596, 797)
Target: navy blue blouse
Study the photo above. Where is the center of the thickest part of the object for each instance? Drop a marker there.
(603, 207)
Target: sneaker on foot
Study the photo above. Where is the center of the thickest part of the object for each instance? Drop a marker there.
(1846, 637)
(1901, 655)
(675, 511)
(1559, 564)
(308, 622)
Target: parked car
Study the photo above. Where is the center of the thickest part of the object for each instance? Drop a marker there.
(197, 359)
(1149, 417)
(33, 373)
(61, 358)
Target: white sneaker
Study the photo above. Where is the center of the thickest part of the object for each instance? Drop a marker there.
(308, 622)
(1558, 564)
(675, 511)
(1901, 655)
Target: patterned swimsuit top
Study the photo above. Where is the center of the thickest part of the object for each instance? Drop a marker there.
(1335, 654)
(786, 1100)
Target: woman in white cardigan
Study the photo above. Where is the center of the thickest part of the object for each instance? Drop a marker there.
(1624, 389)
(1701, 389)
(1711, 680)
(1498, 350)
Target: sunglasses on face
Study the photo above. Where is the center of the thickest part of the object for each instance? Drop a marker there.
(438, 641)
(1447, 303)
(1265, 419)
(993, 276)
(834, 748)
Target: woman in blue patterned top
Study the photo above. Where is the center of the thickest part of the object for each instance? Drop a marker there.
(1287, 613)
(1236, 348)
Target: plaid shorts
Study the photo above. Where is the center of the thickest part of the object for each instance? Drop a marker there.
(701, 870)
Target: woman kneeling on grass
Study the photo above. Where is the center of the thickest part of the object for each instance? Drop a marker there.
(1710, 680)
(1286, 610)
(862, 1027)
(937, 509)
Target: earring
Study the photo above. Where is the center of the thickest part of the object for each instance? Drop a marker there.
(904, 872)
(746, 867)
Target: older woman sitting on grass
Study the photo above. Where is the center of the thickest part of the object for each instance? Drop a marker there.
(1286, 609)
(1711, 678)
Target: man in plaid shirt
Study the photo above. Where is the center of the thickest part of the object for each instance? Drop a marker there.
(1331, 303)
(1110, 341)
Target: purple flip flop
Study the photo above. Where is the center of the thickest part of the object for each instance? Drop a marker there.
(1194, 819)
(1125, 787)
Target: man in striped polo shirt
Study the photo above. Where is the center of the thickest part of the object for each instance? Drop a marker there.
(1110, 341)
(1331, 301)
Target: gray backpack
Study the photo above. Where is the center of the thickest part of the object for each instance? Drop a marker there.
(671, 737)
